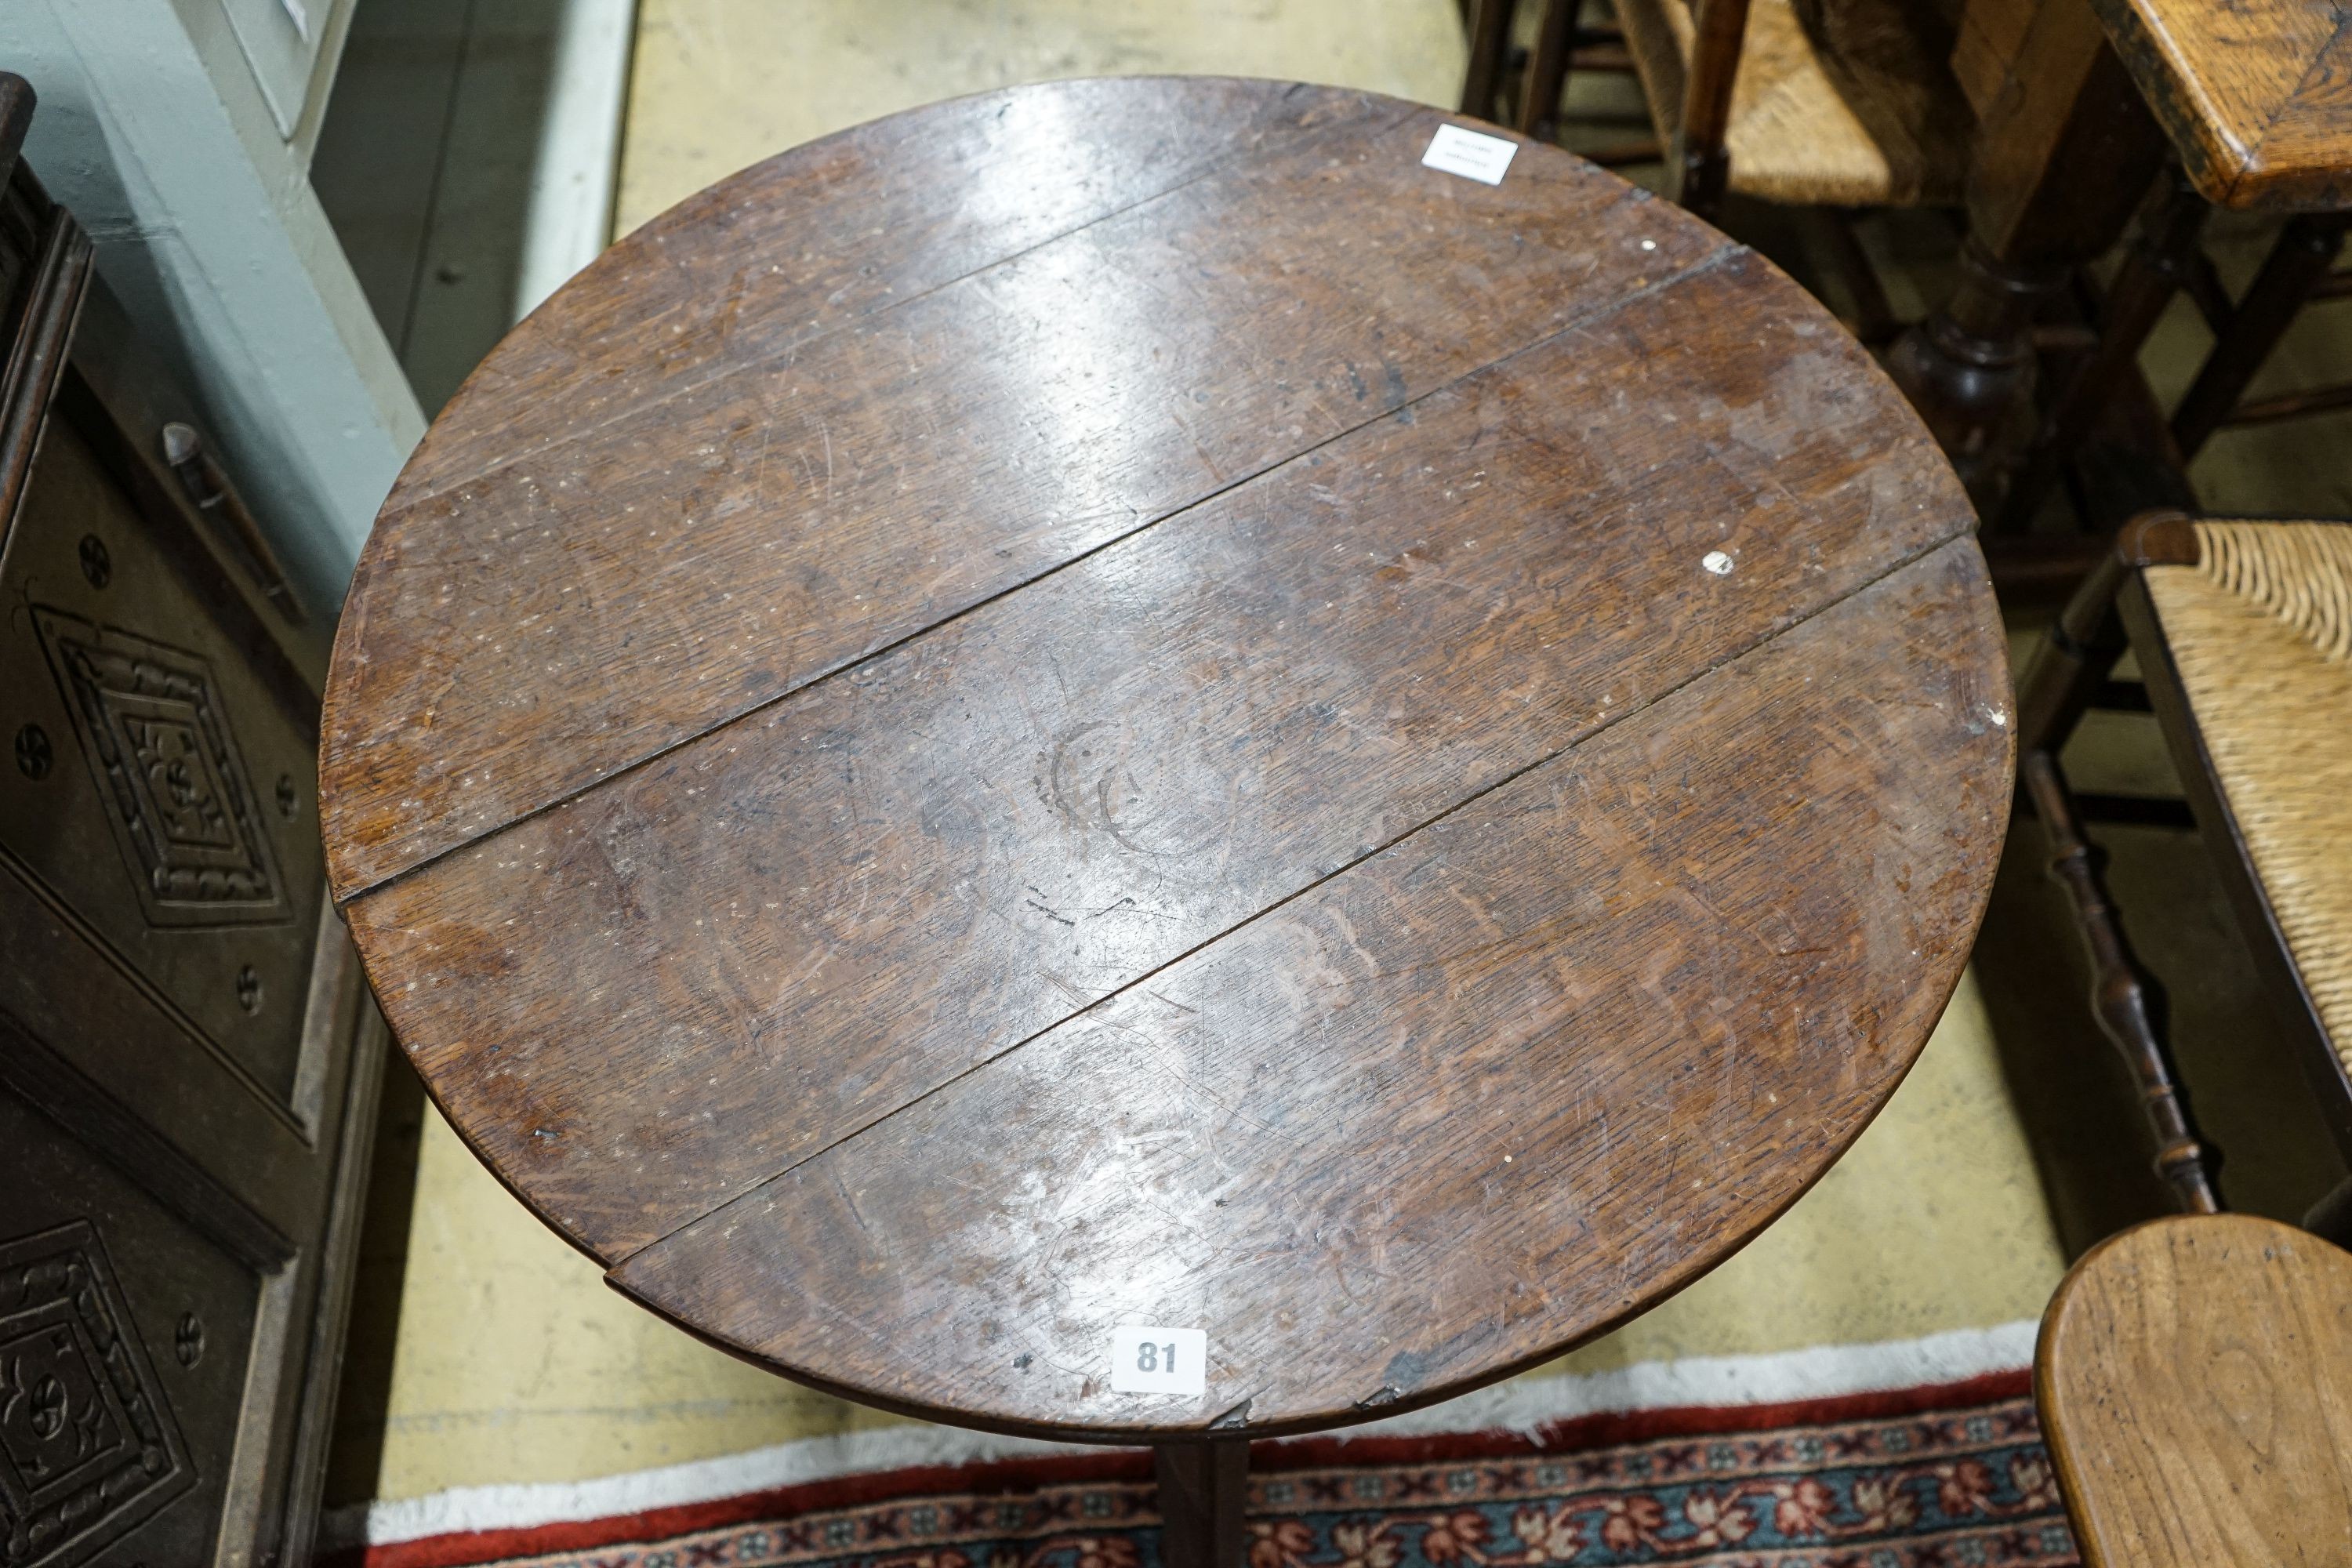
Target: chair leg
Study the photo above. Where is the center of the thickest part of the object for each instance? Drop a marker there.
(2297, 265)
(2162, 258)
(2121, 990)
(1490, 49)
(2078, 656)
(1547, 70)
(1698, 165)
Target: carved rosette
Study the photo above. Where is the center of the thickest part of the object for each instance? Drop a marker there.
(88, 1445)
(182, 805)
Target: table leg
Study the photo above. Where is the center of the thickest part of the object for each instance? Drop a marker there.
(1201, 1487)
(2064, 153)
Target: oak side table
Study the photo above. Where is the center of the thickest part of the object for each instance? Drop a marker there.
(1115, 724)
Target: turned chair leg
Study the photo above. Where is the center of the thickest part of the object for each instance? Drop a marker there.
(2121, 992)
(2080, 653)
(1203, 1490)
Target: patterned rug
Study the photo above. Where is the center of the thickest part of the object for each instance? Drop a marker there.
(1953, 1476)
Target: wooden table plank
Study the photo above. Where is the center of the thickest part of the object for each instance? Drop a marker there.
(562, 616)
(905, 869)
(1431, 1119)
(820, 237)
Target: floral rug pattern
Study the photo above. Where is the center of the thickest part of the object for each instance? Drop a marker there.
(1964, 1486)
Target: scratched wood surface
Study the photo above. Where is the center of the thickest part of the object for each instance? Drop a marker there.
(2195, 1381)
(2257, 96)
(1382, 766)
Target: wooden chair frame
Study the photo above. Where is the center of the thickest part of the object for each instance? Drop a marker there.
(1698, 163)
(2110, 613)
(2164, 259)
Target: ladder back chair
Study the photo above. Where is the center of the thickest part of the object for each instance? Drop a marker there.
(1839, 103)
(2243, 632)
(2194, 1374)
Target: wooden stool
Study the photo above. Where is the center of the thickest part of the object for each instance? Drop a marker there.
(2194, 1379)
(1109, 762)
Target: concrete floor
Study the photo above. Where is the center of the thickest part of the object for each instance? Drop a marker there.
(487, 1352)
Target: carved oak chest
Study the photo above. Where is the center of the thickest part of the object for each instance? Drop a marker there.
(188, 1061)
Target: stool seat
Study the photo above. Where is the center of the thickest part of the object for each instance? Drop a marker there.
(1837, 102)
(2260, 632)
(2194, 1377)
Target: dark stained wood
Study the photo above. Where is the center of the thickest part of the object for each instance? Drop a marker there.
(2194, 1378)
(559, 617)
(2062, 156)
(2292, 276)
(956, 845)
(187, 1059)
(2256, 97)
(1549, 686)
(2122, 997)
(1698, 165)
(1203, 1488)
(1480, 1096)
(1490, 45)
(2078, 99)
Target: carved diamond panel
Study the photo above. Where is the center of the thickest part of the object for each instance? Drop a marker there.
(88, 1447)
(180, 804)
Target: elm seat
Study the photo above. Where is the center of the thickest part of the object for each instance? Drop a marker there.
(2194, 1378)
(1836, 102)
(2261, 632)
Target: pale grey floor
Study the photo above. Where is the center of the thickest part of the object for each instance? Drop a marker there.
(425, 167)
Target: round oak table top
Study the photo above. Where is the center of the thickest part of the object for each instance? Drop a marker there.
(1117, 704)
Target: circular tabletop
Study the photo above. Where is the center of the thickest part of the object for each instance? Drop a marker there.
(1120, 704)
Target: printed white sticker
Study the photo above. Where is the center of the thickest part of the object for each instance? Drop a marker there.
(1470, 153)
(1145, 1358)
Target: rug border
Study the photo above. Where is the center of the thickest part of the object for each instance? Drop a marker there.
(1272, 1457)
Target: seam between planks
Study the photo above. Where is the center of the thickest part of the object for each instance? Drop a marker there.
(1709, 263)
(1964, 530)
(1210, 169)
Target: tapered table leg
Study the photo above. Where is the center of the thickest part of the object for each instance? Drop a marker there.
(1200, 1495)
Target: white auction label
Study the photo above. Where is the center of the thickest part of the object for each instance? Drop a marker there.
(1149, 1360)
(1470, 153)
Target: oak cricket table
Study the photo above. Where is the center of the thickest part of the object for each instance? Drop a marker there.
(1116, 714)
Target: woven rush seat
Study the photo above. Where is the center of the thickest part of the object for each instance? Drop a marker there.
(2261, 632)
(1837, 102)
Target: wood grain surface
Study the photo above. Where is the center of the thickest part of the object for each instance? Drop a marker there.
(2257, 97)
(530, 626)
(1287, 688)
(2195, 1382)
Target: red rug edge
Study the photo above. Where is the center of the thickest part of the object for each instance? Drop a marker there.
(1270, 1457)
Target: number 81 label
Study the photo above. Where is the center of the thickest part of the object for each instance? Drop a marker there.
(1145, 1358)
